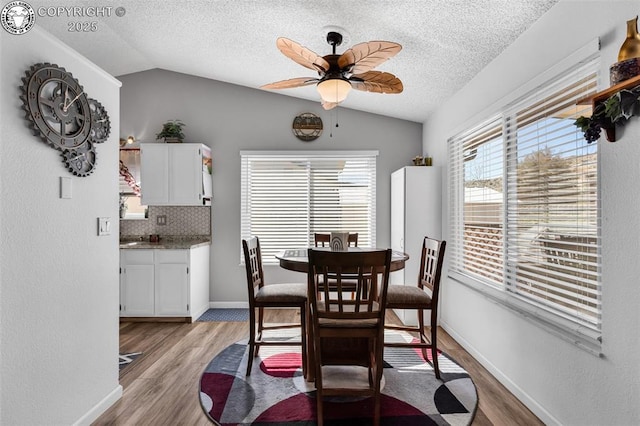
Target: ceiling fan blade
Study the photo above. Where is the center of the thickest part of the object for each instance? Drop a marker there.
(302, 55)
(364, 57)
(328, 105)
(377, 82)
(291, 83)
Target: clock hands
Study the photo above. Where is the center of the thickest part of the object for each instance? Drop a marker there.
(78, 156)
(66, 106)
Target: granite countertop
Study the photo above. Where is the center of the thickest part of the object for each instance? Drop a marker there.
(166, 242)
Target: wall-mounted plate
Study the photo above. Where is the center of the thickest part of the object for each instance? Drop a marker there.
(307, 127)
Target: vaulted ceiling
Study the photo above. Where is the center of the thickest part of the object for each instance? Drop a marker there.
(445, 42)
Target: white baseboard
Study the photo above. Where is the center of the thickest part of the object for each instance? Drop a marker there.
(200, 311)
(102, 406)
(228, 305)
(531, 403)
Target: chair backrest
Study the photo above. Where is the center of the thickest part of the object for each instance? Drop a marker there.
(370, 271)
(253, 266)
(321, 239)
(431, 266)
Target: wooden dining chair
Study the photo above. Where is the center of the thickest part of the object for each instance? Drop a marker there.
(263, 296)
(324, 239)
(344, 331)
(421, 297)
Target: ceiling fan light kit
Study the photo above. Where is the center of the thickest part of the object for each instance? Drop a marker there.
(334, 90)
(338, 74)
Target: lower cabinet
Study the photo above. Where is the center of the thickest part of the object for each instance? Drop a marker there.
(164, 283)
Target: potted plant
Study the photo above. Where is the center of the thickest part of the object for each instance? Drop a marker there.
(172, 131)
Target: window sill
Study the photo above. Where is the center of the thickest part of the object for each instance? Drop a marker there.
(570, 331)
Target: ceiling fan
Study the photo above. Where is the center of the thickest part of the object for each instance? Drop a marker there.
(338, 74)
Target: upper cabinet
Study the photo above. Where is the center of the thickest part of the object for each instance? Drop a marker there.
(175, 174)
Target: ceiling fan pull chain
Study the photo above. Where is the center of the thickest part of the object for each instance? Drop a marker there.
(336, 120)
(332, 120)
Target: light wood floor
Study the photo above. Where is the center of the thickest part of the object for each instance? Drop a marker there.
(161, 387)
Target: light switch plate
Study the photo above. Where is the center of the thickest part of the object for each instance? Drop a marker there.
(65, 187)
(104, 226)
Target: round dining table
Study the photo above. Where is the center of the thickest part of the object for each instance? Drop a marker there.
(296, 259)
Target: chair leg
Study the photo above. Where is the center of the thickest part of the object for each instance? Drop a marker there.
(303, 336)
(319, 411)
(376, 409)
(318, 379)
(260, 328)
(434, 349)
(421, 334)
(252, 339)
(378, 379)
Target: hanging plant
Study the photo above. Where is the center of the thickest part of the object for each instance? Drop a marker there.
(616, 109)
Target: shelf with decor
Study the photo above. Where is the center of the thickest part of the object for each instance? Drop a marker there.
(606, 93)
(621, 101)
(597, 101)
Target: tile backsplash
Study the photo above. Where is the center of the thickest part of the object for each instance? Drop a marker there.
(180, 220)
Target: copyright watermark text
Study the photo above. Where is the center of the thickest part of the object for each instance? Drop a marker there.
(80, 11)
(18, 17)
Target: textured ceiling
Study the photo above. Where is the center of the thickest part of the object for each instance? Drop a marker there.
(445, 42)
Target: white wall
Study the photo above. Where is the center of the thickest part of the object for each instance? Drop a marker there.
(59, 280)
(561, 383)
(231, 118)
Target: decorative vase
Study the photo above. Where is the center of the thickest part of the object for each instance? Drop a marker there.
(631, 46)
(172, 140)
(624, 70)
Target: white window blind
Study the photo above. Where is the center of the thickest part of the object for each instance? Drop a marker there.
(287, 197)
(524, 203)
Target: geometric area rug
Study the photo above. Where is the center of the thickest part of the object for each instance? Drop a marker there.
(127, 358)
(276, 392)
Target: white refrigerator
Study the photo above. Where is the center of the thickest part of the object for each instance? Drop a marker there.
(416, 212)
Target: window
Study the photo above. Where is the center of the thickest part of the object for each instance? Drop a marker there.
(289, 196)
(524, 205)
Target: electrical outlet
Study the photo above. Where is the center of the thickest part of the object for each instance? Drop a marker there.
(161, 219)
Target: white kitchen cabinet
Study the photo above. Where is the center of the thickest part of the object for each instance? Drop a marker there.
(175, 174)
(172, 282)
(164, 283)
(137, 285)
(416, 212)
(137, 291)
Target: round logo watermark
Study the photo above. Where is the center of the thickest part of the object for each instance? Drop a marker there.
(17, 17)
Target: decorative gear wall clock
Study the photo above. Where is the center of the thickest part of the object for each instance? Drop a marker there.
(80, 161)
(60, 113)
(100, 124)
